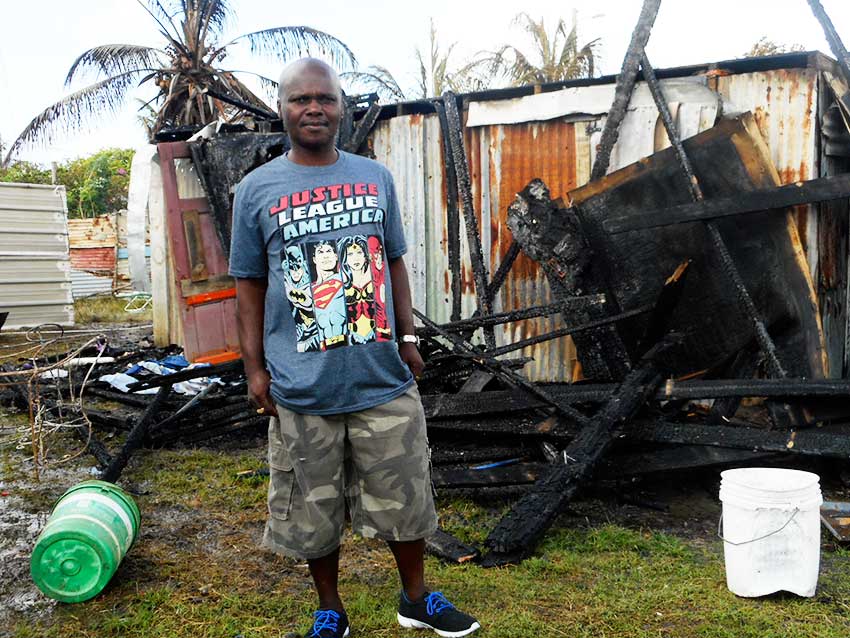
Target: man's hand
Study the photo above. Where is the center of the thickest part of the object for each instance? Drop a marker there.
(409, 353)
(258, 393)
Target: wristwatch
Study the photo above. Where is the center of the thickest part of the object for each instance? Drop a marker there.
(409, 339)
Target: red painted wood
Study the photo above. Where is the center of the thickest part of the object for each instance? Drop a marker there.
(209, 328)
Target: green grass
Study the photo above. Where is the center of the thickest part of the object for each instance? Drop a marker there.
(198, 571)
(108, 309)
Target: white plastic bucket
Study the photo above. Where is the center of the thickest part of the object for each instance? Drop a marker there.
(771, 530)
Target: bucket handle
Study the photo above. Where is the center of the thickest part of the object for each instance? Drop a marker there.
(726, 540)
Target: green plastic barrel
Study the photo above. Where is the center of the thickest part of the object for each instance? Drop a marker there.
(87, 535)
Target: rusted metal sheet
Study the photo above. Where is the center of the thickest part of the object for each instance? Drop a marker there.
(95, 232)
(95, 260)
(504, 158)
(784, 104)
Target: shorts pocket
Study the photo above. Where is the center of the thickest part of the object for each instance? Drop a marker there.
(281, 487)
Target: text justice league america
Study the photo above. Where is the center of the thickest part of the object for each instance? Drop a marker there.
(327, 208)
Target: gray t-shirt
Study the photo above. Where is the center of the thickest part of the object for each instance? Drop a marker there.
(323, 236)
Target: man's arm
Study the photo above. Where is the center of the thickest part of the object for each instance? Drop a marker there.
(250, 310)
(403, 310)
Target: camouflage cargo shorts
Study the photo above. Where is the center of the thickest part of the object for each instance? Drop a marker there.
(376, 459)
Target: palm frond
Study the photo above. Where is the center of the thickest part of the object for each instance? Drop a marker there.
(269, 86)
(379, 79)
(72, 111)
(286, 43)
(215, 16)
(111, 59)
(156, 11)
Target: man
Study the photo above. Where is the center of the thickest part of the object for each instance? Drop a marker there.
(349, 422)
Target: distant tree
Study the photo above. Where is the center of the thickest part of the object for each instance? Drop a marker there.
(764, 46)
(183, 71)
(25, 173)
(551, 58)
(435, 75)
(98, 184)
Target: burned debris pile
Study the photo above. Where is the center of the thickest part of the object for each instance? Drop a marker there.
(681, 280)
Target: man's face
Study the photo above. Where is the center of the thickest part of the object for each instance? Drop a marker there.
(324, 257)
(311, 110)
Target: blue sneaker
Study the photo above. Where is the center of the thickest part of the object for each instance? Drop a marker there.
(328, 624)
(437, 613)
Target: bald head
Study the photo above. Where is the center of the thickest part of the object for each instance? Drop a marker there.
(295, 70)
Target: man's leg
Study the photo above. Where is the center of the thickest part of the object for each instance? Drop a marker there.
(410, 559)
(325, 573)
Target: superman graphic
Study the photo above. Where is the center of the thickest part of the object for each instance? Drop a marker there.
(328, 295)
(376, 264)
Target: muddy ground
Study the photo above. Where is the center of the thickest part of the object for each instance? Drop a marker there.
(684, 505)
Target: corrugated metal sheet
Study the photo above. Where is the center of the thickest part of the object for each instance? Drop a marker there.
(35, 283)
(504, 158)
(94, 232)
(85, 284)
(784, 104)
(95, 260)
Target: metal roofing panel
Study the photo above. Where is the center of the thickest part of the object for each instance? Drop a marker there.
(85, 284)
(35, 284)
(95, 232)
(784, 105)
(408, 146)
(98, 260)
(504, 159)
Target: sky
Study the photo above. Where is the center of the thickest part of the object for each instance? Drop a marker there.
(40, 39)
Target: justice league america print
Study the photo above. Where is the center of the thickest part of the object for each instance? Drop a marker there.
(336, 287)
(337, 292)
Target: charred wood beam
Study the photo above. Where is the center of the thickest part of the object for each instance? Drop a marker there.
(454, 453)
(266, 114)
(93, 445)
(496, 367)
(744, 366)
(452, 214)
(516, 315)
(670, 295)
(236, 425)
(625, 86)
(448, 406)
(503, 270)
(476, 253)
(136, 436)
(554, 237)
(133, 400)
(513, 426)
(445, 546)
(563, 332)
(364, 127)
(514, 474)
(673, 459)
(518, 532)
(719, 245)
(819, 443)
(107, 419)
(834, 40)
(808, 192)
(230, 367)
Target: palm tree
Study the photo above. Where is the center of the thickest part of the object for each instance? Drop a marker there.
(186, 71)
(554, 58)
(435, 75)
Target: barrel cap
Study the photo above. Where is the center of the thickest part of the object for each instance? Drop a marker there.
(70, 569)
